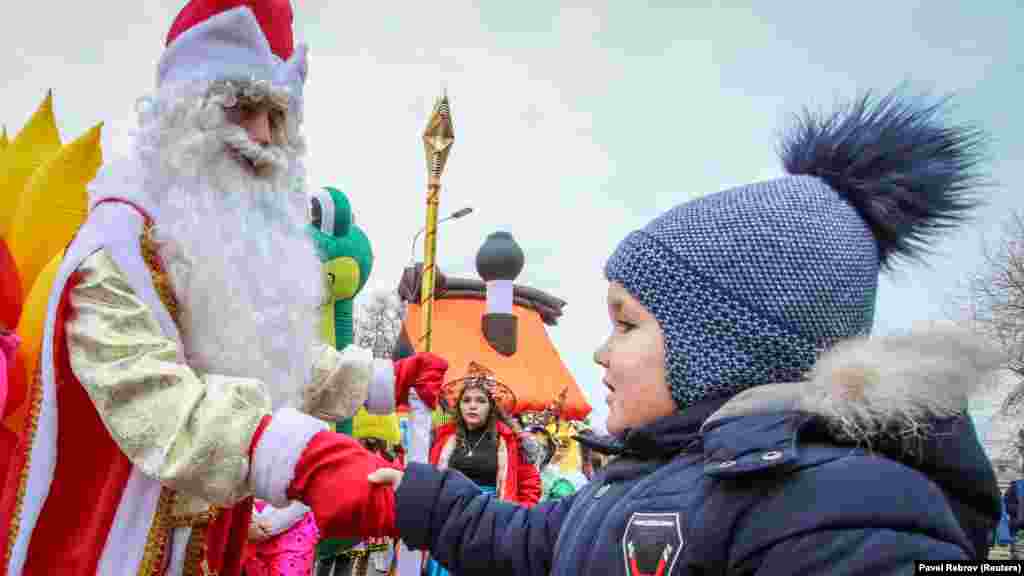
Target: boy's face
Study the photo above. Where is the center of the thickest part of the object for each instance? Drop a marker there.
(633, 359)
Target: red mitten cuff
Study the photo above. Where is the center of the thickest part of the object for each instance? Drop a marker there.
(405, 371)
(276, 447)
(424, 372)
(330, 478)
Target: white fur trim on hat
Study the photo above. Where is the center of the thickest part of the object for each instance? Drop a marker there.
(291, 74)
(229, 45)
(380, 396)
(278, 452)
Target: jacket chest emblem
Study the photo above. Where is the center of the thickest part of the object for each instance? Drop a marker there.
(652, 543)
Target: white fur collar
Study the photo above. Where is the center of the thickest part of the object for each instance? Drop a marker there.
(870, 386)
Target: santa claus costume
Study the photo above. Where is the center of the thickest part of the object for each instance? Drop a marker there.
(179, 360)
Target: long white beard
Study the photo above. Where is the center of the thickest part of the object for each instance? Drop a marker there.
(244, 271)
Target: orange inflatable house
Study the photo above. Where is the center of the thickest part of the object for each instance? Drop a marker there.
(470, 324)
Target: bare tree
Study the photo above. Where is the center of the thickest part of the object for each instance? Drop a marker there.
(996, 303)
(378, 323)
(994, 307)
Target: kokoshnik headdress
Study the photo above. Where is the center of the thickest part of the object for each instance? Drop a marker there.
(480, 376)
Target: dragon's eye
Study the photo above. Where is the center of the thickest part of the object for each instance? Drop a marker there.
(316, 213)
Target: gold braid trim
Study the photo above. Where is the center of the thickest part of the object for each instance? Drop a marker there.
(161, 282)
(195, 554)
(164, 521)
(159, 535)
(365, 552)
(35, 406)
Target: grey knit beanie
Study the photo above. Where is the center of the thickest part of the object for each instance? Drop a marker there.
(751, 284)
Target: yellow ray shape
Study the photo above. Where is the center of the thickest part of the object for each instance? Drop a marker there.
(30, 330)
(34, 144)
(54, 205)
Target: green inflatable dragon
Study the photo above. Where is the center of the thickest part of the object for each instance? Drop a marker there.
(347, 258)
(345, 252)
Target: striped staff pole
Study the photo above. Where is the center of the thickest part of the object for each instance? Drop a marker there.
(437, 143)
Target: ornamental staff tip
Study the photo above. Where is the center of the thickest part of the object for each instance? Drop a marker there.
(439, 136)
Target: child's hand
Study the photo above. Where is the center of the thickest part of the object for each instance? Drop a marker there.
(386, 476)
(258, 530)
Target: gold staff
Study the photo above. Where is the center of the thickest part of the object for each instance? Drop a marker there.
(437, 143)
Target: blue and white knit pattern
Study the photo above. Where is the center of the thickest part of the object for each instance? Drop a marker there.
(750, 284)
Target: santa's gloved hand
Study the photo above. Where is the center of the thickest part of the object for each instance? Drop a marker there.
(294, 458)
(335, 390)
(423, 372)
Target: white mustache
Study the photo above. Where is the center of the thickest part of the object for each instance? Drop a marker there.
(266, 159)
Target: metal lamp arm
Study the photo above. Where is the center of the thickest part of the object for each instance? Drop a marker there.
(452, 216)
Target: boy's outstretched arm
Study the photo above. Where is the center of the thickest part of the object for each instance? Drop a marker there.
(468, 531)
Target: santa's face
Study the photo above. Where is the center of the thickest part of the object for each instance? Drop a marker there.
(263, 124)
(256, 119)
(230, 212)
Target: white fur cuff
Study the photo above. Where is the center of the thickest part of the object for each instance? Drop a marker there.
(278, 452)
(380, 396)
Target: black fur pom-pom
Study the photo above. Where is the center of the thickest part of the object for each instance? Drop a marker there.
(908, 173)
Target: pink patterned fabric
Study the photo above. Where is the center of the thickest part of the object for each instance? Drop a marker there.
(289, 553)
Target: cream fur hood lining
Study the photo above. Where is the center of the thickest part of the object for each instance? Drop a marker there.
(869, 388)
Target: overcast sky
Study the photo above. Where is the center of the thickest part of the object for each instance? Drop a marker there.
(575, 122)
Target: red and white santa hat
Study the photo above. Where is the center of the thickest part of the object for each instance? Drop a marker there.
(241, 40)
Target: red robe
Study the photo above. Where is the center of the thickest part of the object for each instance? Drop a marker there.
(92, 492)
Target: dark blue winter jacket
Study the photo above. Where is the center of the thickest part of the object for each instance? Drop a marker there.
(762, 491)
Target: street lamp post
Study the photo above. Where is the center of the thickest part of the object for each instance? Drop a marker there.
(453, 216)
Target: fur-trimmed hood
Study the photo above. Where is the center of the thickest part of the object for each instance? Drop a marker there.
(903, 397)
(873, 389)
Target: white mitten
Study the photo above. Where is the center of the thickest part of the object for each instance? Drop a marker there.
(344, 381)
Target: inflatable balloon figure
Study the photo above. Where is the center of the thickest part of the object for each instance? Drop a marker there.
(43, 202)
(345, 251)
(494, 321)
(347, 257)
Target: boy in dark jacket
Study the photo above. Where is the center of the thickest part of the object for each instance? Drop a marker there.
(755, 429)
